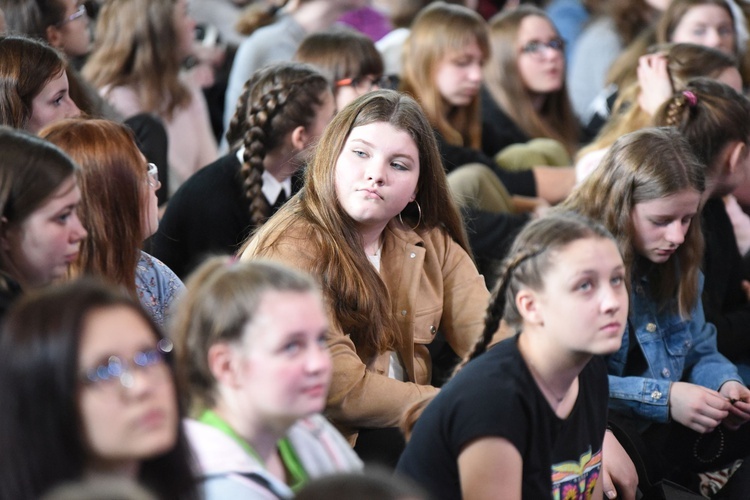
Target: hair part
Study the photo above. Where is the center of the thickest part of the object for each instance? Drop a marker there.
(43, 440)
(649, 164)
(274, 101)
(222, 299)
(355, 294)
(503, 80)
(26, 66)
(438, 31)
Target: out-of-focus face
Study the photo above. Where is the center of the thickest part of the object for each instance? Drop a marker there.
(52, 104)
(72, 35)
(128, 403)
(708, 25)
(284, 368)
(541, 61)
(376, 174)
(660, 225)
(584, 303)
(40, 248)
(185, 28)
(458, 75)
(349, 89)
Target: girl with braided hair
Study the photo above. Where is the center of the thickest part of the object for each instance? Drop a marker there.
(375, 224)
(677, 398)
(534, 406)
(281, 113)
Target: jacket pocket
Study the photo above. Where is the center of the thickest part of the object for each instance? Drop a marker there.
(426, 325)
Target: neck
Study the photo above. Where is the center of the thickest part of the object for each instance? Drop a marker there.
(537, 101)
(125, 468)
(317, 15)
(281, 165)
(262, 437)
(371, 239)
(555, 370)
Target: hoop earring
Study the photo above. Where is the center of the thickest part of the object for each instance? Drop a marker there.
(419, 209)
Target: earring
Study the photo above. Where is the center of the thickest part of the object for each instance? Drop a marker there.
(419, 220)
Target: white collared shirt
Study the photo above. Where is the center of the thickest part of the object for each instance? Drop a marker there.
(271, 186)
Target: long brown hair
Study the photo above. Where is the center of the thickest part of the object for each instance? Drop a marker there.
(114, 188)
(439, 30)
(501, 77)
(274, 101)
(645, 165)
(354, 291)
(26, 66)
(135, 45)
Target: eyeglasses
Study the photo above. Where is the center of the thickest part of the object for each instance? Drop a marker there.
(117, 369)
(364, 84)
(153, 176)
(537, 48)
(80, 12)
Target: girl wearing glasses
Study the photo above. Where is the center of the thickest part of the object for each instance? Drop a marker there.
(86, 390)
(348, 59)
(525, 96)
(39, 229)
(443, 65)
(119, 209)
(252, 358)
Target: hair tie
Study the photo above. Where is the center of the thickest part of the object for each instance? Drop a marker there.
(690, 97)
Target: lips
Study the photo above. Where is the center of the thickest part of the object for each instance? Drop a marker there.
(370, 193)
(613, 327)
(152, 419)
(317, 390)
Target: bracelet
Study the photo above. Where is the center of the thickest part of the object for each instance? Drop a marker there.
(718, 453)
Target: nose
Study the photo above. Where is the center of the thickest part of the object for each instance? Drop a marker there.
(72, 111)
(475, 72)
(376, 172)
(712, 38)
(77, 231)
(318, 359)
(676, 232)
(614, 299)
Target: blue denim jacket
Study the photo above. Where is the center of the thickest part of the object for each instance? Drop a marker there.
(676, 350)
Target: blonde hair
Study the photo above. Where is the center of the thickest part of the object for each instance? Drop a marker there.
(135, 46)
(439, 30)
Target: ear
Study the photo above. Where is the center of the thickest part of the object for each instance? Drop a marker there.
(299, 138)
(54, 37)
(223, 363)
(736, 156)
(527, 304)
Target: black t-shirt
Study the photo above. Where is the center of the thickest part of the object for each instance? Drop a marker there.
(495, 395)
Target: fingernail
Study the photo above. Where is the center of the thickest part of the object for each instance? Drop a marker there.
(611, 494)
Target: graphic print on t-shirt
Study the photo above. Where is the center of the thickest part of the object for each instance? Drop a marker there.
(576, 480)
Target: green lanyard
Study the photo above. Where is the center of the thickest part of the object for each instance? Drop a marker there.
(298, 476)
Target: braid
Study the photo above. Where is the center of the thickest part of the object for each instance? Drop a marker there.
(257, 138)
(675, 112)
(496, 309)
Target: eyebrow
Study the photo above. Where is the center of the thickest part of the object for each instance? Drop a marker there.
(397, 155)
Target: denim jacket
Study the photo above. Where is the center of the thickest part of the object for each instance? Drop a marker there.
(675, 349)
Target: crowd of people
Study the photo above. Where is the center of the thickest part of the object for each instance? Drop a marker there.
(321, 248)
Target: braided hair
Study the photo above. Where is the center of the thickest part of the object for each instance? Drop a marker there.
(527, 263)
(274, 101)
(709, 115)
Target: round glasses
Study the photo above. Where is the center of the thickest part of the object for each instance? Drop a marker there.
(364, 84)
(537, 48)
(116, 369)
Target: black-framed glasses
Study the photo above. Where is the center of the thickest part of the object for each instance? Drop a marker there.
(120, 370)
(364, 84)
(537, 48)
(80, 12)
(153, 176)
